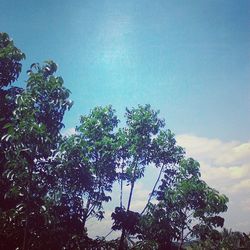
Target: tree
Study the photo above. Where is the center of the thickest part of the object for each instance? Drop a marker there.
(187, 207)
(10, 68)
(89, 163)
(31, 135)
(142, 142)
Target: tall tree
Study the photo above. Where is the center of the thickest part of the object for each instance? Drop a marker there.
(187, 207)
(142, 142)
(10, 68)
(90, 161)
(33, 132)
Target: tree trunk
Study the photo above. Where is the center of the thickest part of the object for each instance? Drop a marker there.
(87, 210)
(130, 195)
(121, 189)
(121, 243)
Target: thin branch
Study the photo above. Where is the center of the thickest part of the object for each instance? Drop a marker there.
(132, 188)
(130, 194)
(90, 210)
(108, 233)
(153, 190)
(87, 210)
(121, 187)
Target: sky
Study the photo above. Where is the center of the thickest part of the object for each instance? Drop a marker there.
(188, 59)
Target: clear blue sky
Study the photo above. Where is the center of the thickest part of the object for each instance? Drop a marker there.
(190, 59)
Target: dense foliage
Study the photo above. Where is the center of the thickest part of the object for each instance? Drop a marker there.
(51, 184)
(226, 239)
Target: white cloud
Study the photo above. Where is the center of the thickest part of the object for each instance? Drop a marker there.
(68, 132)
(246, 204)
(242, 186)
(237, 154)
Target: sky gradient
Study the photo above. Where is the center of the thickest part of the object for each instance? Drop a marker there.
(189, 59)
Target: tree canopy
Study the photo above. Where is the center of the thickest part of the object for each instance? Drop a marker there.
(51, 184)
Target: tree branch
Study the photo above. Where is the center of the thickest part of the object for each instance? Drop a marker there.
(153, 190)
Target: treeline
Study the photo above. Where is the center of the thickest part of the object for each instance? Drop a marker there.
(51, 184)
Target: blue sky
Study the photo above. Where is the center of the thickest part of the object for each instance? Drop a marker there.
(189, 59)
